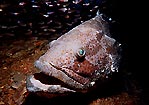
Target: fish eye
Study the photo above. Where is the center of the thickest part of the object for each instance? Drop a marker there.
(81, 53)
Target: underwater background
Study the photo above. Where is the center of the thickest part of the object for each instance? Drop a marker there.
(28, 25)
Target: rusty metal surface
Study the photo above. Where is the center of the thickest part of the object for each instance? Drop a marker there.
(17, 61)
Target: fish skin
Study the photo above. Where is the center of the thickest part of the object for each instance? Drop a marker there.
(63, 61)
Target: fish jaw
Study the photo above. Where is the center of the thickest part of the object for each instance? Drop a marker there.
(34, 85)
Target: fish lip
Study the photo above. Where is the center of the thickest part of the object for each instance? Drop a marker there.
(56, 72)
(34, 85)
(72, 74)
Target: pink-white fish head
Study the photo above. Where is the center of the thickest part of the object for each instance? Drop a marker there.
(82, 56)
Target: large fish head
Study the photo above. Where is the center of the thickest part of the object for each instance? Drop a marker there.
(80, 57)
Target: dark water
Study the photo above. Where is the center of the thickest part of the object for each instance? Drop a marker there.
(45, 19)
(48, 18)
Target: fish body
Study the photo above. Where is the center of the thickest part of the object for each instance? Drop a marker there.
(79, 58)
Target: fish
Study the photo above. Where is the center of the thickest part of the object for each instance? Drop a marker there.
(81, 58)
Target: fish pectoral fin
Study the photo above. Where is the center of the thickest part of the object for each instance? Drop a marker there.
(34, 85)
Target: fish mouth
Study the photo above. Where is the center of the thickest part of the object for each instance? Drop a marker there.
(70, 73)
(72, 80)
